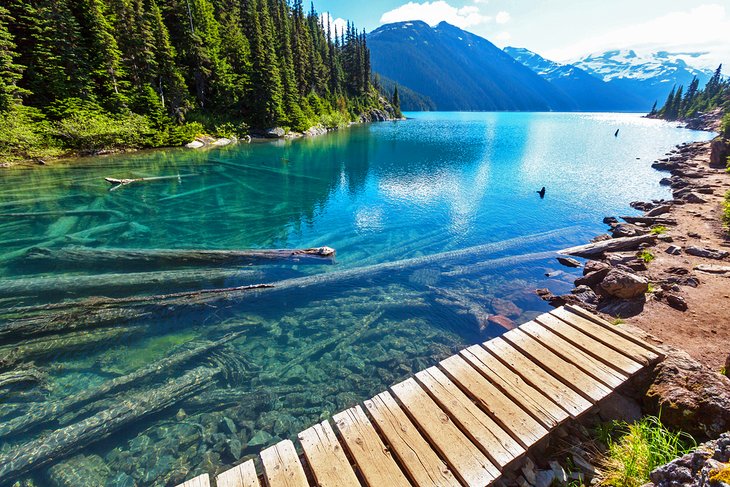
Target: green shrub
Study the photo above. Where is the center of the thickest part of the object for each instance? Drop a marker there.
(658, 230)
(726, 212)
(725, 126)
(634, 450)
(646, 256)
(24, 134)
(92, 132)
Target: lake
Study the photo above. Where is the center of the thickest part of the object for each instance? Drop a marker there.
(447, 200)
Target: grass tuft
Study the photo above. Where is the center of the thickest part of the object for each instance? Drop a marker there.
(726, 213)
(658, 230)
(646, 256)
(618, 321)
(634, 450)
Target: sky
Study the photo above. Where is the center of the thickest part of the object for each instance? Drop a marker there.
(564, 30)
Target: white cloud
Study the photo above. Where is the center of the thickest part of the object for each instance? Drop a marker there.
(438, 11)
(503, 17)
(701, 29)
(502, 38)
(341, 24)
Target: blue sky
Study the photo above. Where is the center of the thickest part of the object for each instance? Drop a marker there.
(564, 29)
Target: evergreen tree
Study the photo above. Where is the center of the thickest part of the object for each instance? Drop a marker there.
(10, 73)
(396, 102)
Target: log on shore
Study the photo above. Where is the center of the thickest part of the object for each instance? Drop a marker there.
(650, 220)
(40, 415)
(84, 257)
(63, 442)
(115, 311)
(614, 245)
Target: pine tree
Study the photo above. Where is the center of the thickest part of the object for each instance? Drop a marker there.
(669, 106)
(396, 102)
(10, 73)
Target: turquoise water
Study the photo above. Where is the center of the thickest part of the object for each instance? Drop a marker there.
(380, 193)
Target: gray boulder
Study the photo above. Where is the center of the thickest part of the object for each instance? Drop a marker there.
(707, 253)
(624, 285)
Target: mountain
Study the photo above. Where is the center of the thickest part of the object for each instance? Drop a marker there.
(590, 93)
(458, 70)
(650, 76)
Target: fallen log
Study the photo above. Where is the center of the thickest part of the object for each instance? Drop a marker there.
(40, 415)
(43, 214)
(58, 444)
(99, 312)
(119, 284)
(118, 183)
(614, 245)
(74, 257)
(650, 220)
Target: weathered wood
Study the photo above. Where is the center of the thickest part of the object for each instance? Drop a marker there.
(37, 416)
(650, 220)
(244, 475)
(574, 403)
(282, 466)
(325, 457)
(486, 434)
(118, 183)
(84, 257)
(200, 481)
(596, 349)
(613, 245)
(419, 460)
(602, 335)
(567, 372)
(373, 459)
(531, 399)
(126, 283)
(58, 444)
(60, 213)
(524, 428)
(465, 459)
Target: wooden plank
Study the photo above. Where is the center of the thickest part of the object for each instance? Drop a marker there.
(491, 439)
(594, 348)
(598, 370)
(531, 399)
(419, 460)
(613, 340)
(282, 466)
(523, 427)
(465, 459)
(372, 458)
(615, 329)
(201, 481)
(561, 394)
(244, 475)
(569, 373)
(325, 456)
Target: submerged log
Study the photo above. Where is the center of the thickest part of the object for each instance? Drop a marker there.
(100, 312)
(613, 245)
(121, 283)
(118, 183)
(55, 214)
(83, 257)
(25, 374)
(38, 416)
(57, 445)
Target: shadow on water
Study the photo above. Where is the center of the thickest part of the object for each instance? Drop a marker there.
(378, 194)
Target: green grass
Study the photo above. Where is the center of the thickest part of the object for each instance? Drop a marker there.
(634, 450)
(726, 213)
(658, 230)
(646, 256)
(651, 289)
(618, 321)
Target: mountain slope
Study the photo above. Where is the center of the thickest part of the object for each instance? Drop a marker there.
(459, 70)
(589, 92)
(650, 76)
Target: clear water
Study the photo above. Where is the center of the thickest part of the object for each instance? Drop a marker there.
(379, 193)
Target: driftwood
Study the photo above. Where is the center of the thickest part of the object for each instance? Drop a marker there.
(614, 245)
(650, 220)
(100, 312)
(118, 183)
(83, 257)
(57, 445)
(121, 283)
(38, 416)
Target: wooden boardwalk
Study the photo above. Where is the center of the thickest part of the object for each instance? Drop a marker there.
(465, 420)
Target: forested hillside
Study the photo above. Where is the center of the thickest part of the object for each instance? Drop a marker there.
(687, 103)
(88, 75)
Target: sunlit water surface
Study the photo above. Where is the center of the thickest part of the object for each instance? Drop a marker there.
(379, 193)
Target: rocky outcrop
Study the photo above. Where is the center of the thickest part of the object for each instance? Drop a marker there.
(720, 151)
(707, 466)
(707, 253)
(624, 285)
(690, 396)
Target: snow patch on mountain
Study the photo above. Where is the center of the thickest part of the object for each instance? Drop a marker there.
(661, 66)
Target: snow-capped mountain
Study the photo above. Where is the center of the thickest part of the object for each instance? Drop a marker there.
(650, 75)
(589, 92)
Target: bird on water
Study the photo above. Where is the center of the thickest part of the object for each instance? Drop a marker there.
(542, 192)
